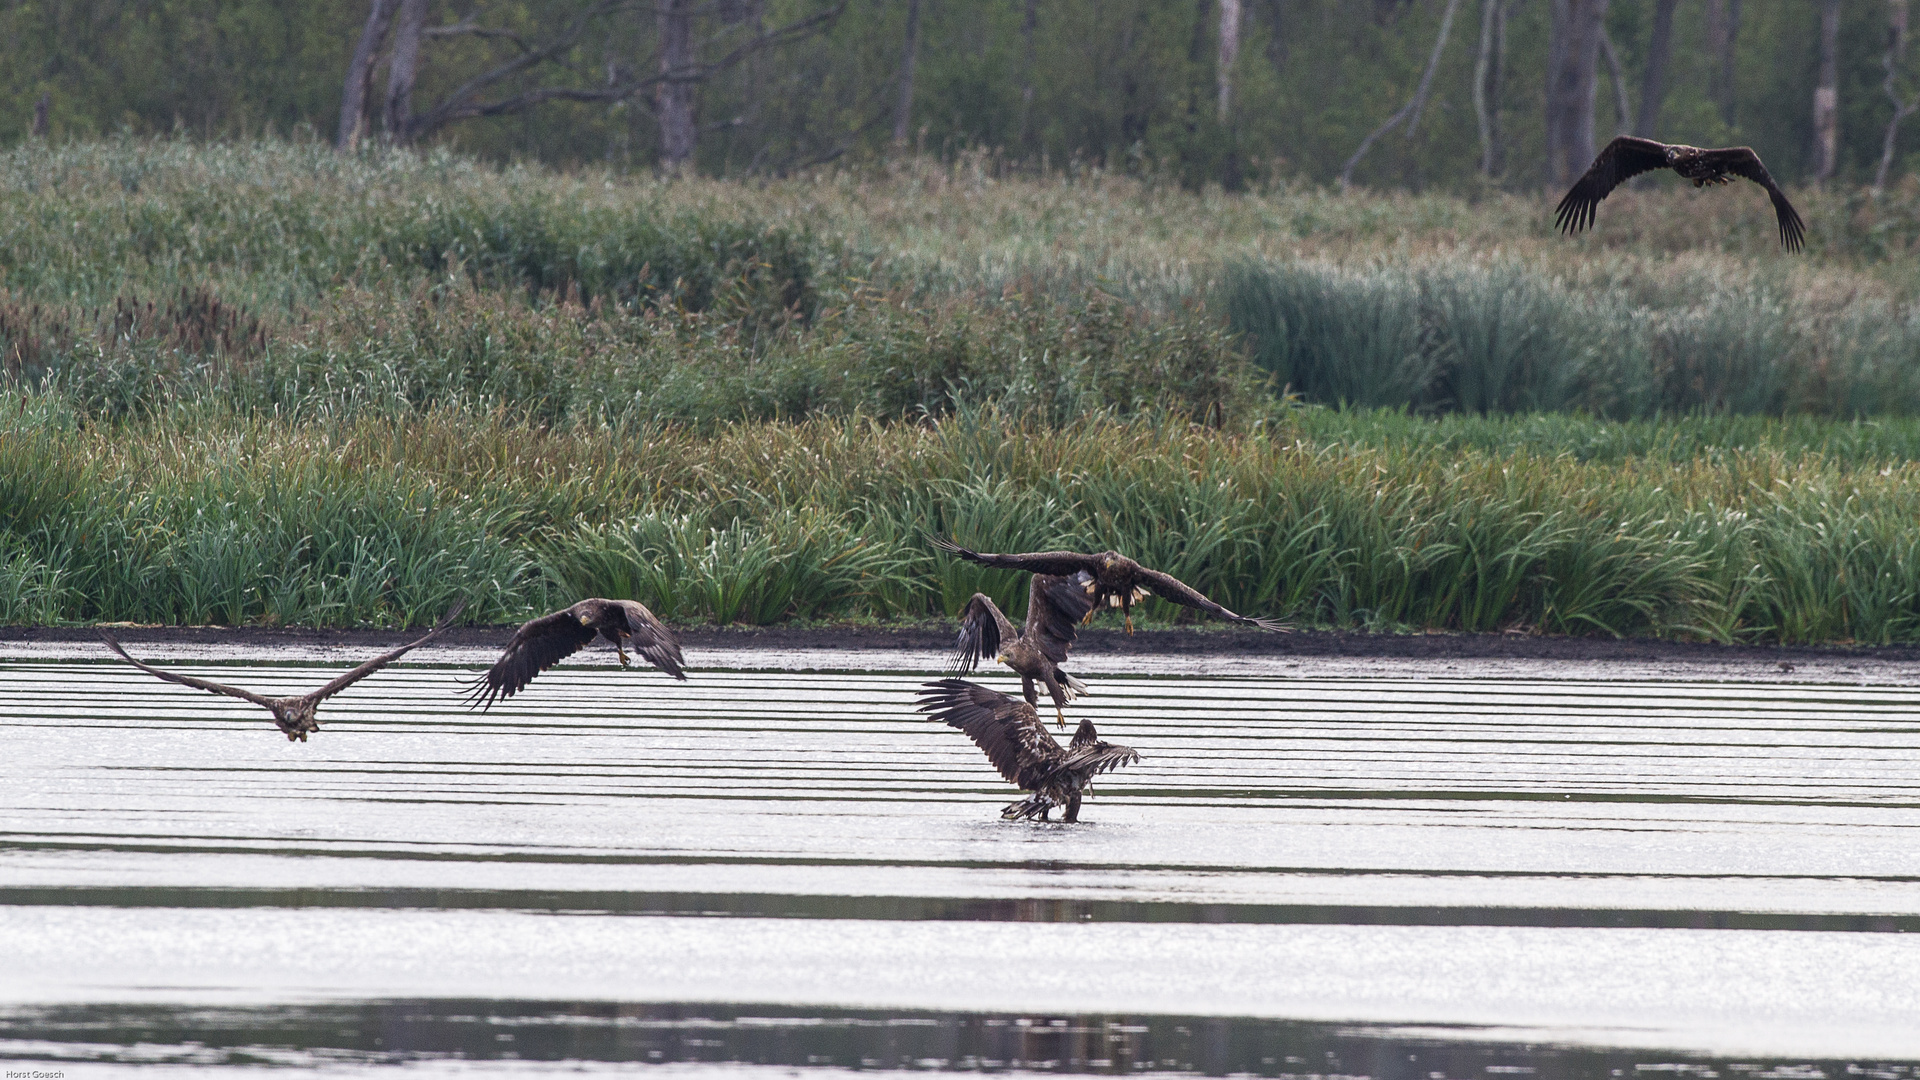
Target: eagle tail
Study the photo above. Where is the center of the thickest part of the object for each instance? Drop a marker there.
(1030, 808)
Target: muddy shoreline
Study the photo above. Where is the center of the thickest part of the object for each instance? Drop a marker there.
(1102, 651)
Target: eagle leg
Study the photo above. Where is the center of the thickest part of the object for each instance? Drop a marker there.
(1060, 715)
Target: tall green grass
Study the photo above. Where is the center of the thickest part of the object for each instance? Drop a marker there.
(199, 516)
(1508, 338)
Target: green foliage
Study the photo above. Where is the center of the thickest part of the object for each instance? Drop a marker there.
(1501, 338)
(1326, 518)
(1126, 85)
(269, 384)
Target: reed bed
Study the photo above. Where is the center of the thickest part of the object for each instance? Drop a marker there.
(264, 383)
(283, 276)
(201, 517)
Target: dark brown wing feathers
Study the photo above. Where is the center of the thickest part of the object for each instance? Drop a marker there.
(186, 680)
(1006, 729)
(653, 639)
(1055, 606)
(333, 687)
(1059, 563)
(538, 645)
(981, 629)
(349, 678)
(1742, 161)
(1623, 159)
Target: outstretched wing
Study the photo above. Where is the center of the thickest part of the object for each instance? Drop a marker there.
(535, 647)
(982, 629)
(1102, 756)
(652, 638)
(186, 680)
(1624, 158)
(1089, 752)
(1055, 606)
(1005, 728)
(349, 678)
(1036, 562)
(1170, 588)
(1742, 161)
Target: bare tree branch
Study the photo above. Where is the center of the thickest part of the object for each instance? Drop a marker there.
(1410, 112)
(465, 102)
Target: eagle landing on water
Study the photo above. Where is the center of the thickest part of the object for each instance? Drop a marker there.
(1018, 744)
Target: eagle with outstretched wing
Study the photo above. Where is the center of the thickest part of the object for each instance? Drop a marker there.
(1020, 747)
(1627, 157)
(1117, 581)
(295, 715)
(1055, 607)
(543, 642)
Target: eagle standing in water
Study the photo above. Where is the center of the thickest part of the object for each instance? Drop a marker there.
(543, 642)
(1019, 745)
(1055, 606)
(1627, 157)
(295, 715)
(1115, 580)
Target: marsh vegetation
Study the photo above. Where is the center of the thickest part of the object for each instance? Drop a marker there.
(263, 383)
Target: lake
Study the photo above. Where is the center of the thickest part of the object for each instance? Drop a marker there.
(1542, 873)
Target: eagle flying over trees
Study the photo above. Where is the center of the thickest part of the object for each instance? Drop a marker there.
(1055, 606)
(1019, 745)
(1117, 581)
(295, 715)
(1627, 157)
(543, 642)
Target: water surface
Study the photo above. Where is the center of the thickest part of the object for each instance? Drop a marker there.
(1574, 876)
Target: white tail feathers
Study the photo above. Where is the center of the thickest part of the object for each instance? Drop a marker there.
(1075, 688)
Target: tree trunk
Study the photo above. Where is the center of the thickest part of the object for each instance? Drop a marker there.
(903, 108)
(40, 106)
(1029, 22)
(1826, 96)
(402, 69)
(1574, 58)
(1229, 52)
(1653, 81)
(1723, 34)
(359, 84)
(675, 95)
(1622, 111)
(1482, 71)
(1902, 107)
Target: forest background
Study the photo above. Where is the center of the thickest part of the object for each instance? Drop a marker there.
(1233, 92)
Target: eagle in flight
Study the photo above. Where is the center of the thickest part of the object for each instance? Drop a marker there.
(1627, 157)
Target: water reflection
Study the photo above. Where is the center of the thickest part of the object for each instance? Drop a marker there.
(406, 1031)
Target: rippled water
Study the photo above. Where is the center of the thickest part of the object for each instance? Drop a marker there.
(1397, 878)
